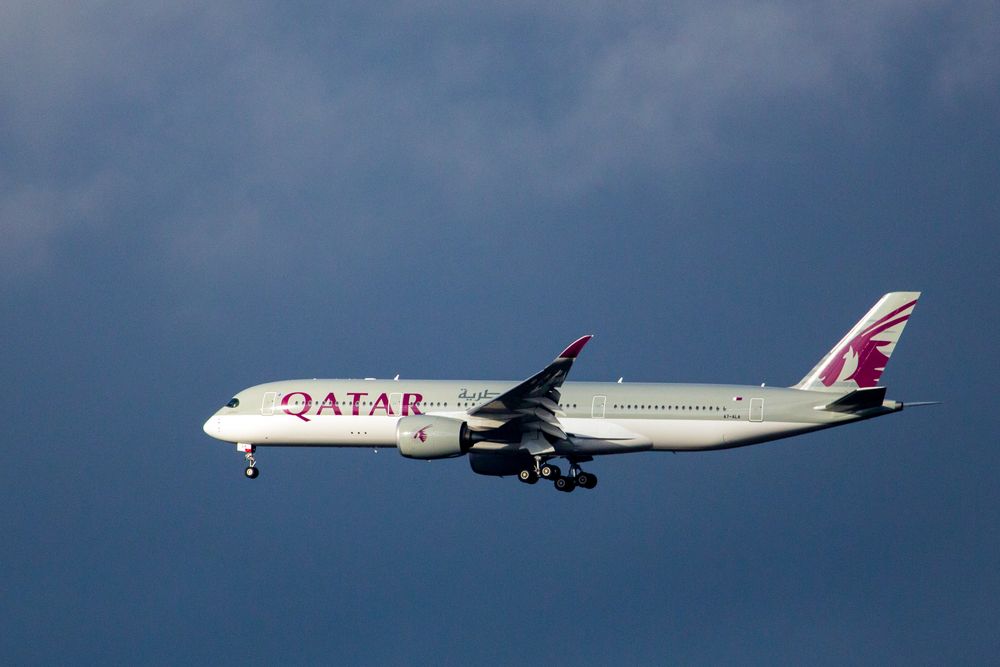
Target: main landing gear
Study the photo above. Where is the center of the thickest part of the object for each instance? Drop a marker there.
(248, 450)
(577, 477)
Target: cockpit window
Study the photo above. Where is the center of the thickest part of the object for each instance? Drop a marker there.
(233, 403)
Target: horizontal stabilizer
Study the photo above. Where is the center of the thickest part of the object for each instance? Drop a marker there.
(857, 401)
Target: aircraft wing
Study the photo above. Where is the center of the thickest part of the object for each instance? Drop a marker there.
(534, 403)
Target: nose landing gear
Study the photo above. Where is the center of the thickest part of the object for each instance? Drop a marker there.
(248, 450)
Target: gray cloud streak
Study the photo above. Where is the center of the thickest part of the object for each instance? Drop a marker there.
(223, 115)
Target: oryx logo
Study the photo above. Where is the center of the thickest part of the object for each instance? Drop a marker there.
(862, 359)
(421, 435)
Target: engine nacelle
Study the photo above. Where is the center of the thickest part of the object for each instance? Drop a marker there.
(429, 437)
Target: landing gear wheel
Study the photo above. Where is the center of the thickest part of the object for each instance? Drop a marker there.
(549, 471)
(252, 472)
(527, 476)
(586, 480)
(566, 484)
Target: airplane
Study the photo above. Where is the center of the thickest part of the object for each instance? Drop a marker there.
(520, 429)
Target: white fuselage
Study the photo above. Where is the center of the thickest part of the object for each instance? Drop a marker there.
(601, 418)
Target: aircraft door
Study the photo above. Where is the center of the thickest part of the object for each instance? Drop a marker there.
(597, 409)
(756, 409)
(267, 405)
(396, 404)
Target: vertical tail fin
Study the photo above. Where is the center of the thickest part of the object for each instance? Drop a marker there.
(858, 360)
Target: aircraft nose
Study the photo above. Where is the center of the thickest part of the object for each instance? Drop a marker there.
(211, 426)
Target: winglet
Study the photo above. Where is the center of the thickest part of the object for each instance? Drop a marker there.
(574, 348)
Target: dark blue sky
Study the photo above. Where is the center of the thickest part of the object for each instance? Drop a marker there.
(199, 198)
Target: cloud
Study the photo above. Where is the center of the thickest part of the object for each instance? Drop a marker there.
(287, 116)
(33, 217)
(970, 65)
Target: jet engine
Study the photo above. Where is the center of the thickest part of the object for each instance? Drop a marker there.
(428, 437)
